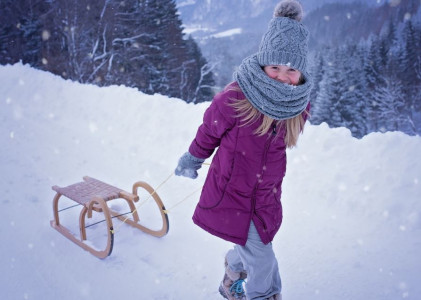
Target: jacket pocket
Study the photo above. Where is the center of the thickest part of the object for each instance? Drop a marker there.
(214, 190)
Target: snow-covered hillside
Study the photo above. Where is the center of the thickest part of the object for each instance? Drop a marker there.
(352, 223)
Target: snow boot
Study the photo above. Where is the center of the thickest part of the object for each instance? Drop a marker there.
(231, 286)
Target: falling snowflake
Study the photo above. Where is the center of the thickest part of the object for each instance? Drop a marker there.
(93, 127)
(394, 2)
(18, 113)
(45, 35)
(403, 285)
(342, 187)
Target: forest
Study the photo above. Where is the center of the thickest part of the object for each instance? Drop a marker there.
(369, 79)
(134, 43)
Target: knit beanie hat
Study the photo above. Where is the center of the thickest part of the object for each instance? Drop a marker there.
(285, 42)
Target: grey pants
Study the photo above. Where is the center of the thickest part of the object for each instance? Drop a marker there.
(259, 261)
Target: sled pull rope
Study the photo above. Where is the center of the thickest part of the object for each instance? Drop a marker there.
(146, 200)
(166, 211)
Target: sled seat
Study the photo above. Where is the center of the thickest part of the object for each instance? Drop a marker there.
(83, 192)
(93, 195)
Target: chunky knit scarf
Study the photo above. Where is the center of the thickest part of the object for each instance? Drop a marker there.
(275, 99)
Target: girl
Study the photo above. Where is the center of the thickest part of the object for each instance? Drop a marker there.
(252, 122)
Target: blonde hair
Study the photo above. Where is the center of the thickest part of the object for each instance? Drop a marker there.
(249, 115)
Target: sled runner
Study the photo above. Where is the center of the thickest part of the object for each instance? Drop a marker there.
(93, 195)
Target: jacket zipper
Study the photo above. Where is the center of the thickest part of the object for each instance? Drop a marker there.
(264, 158)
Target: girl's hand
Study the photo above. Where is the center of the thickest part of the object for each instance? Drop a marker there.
(188, 166)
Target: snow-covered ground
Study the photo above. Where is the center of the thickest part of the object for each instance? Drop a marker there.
(352, 224)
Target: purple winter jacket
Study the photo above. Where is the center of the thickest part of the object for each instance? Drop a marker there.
(244, 181)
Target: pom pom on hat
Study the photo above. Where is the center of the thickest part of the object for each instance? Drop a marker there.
(289, 9)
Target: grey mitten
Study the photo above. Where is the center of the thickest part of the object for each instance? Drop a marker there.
(188, 166)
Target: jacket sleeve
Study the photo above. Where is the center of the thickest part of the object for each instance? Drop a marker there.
(217, 120)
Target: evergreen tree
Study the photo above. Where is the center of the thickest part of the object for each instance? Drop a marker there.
(409, 62)
(374, 79)
(322, 109)
(150, 47)
(317, 75)
(352, 99)
(335, 88)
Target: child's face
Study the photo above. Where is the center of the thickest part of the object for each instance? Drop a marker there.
(283, 74)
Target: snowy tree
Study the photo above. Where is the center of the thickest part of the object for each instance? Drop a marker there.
(148, 50)
(390, 101)
(353, 100)
(316, 71)
(325, 108)
(409, 62)
(374, 78)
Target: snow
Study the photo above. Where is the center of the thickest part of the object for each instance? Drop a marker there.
(227, 33)
(194, 28)
(351, 230)
(186, 3)
(222, 34)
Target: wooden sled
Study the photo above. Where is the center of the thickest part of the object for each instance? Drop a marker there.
(93, 195)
